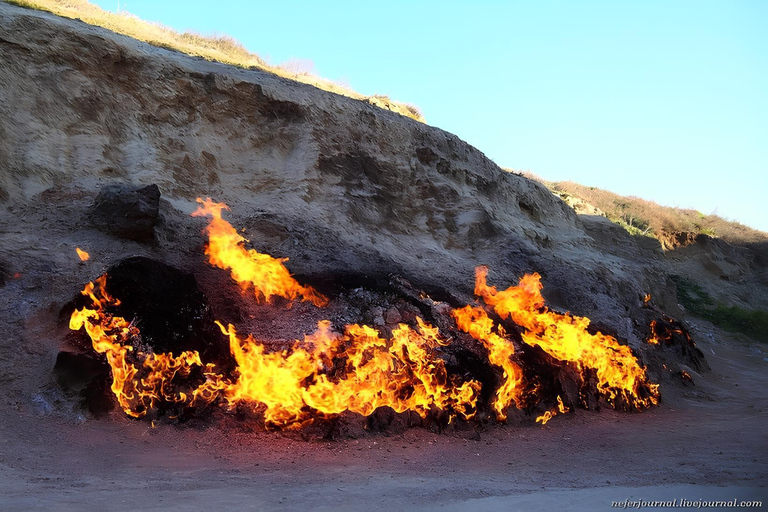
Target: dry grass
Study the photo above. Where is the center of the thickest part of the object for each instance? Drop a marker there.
(639, 216)
(215, 48)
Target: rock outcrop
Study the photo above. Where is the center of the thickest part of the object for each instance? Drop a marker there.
(127, 211)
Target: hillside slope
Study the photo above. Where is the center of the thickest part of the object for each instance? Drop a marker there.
(351, 194)
(216, 48)
(335, 184)
(703, 252)
(672, 226)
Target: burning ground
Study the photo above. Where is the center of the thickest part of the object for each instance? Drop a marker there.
(420, 324)
(359, 369)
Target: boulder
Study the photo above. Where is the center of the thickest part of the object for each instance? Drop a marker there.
(127, 211)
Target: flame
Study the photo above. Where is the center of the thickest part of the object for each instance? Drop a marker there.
(292, 386)
(401, 373)
(548, 415)
(653, 339)
(544, 418)
(266, 275)
(84, 256)
(565, 337)
(141, 381)
(476, 323)
(356, 369)
(646, 299)
(665, 330)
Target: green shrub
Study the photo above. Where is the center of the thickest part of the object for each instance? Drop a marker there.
(750, 322)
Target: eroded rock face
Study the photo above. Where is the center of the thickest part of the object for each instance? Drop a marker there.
(336, 184)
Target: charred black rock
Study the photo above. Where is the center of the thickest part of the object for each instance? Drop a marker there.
(126, 211)
(167, 306)
(171, 314)
(86, 377)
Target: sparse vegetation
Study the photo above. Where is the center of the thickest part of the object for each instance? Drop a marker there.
(216, 48)
(641, 217)
(752, 323)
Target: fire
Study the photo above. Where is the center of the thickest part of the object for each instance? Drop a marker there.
(653, 339)
(646, 299)
(565, 337)
(401, 373)
(475, 322)
(251, 269)
(665, 330)
(561, 408)
(84, 256)
(355, 368)
(141, 381)
(291, 386)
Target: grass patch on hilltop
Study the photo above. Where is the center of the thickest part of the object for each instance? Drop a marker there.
(642, 217)
(660, 221)
(223, 49)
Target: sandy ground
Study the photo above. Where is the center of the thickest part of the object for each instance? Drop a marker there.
(706, 441)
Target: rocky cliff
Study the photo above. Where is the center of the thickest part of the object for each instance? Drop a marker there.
(351, 193)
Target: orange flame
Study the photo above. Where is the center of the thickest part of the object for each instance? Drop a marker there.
(266, 275)
(292, 386)
(665, 330)
(401, 373)
(565, 337)
(141, 388)
(476, 323)
(357, 369)
(653, 339)
(84, 256)
(561, 409)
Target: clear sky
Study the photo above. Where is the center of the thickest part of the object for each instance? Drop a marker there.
(665, 100)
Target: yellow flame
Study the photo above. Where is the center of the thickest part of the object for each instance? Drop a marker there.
(401, 373)
(358, 369)
(548, 415)
(140, 381)
(566, 338)
(476, 323)
(251, 269)
(84, 256)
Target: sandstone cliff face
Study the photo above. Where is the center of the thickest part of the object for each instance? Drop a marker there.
(346, 190)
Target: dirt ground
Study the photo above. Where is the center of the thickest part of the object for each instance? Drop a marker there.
(706, 441)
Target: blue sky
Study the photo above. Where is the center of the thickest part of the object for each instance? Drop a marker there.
(663, 100)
